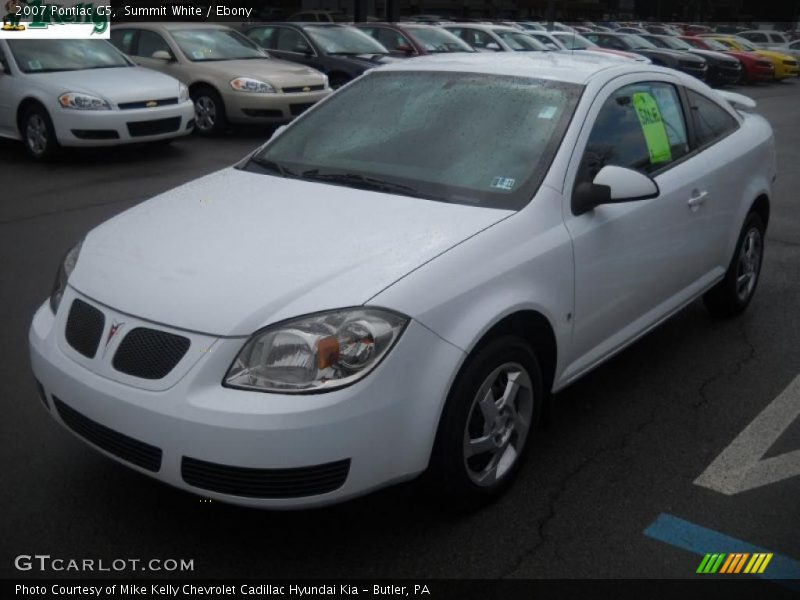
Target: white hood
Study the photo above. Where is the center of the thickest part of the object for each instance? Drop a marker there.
(124, 84)
(234, 251)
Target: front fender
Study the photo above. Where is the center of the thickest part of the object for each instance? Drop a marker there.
(523, 263)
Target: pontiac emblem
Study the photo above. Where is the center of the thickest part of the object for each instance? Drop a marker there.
(112, 331)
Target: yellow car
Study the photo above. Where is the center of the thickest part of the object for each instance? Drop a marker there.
(785, 65)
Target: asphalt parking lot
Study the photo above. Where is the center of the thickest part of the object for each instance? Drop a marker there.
(608, 490)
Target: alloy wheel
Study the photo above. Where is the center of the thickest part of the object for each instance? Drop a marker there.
(498, 424)
(749, 264)
(36, 135)
(205, 113)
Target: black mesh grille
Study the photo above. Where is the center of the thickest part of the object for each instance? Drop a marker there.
(265, 483)
(149, 354)
(84, 327)
(136, 452)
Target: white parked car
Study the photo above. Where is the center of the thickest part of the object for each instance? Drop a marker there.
(56, 93)
(495, 38)
(398, 280)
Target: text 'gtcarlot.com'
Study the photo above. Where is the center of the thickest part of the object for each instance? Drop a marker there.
(45, 562)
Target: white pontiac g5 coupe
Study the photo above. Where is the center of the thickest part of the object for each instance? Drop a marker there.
(397, 281)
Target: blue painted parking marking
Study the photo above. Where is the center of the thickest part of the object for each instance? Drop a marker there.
(700, 540)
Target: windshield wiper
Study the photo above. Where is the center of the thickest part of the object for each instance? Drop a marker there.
(273, 166)
(364, 182)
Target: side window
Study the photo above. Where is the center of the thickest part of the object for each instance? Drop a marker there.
(150, 43)
(290, 40)
(757, 37)
(123, 39)
(711, 121)
(777, 38)
(391, 39)
(480, 39)
(641, 126)
(263, 36)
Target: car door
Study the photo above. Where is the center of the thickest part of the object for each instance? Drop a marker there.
(727, 168)
(292, 45)
(148, 46)
(8, 85)
(636, 262)
(264, 37)
(394, 41)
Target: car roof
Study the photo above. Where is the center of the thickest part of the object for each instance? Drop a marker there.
(556, 66)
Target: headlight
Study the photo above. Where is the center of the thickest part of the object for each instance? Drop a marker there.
(316, 353)
(183, 93)
(64, 271)
(246, 84)
(82, 101)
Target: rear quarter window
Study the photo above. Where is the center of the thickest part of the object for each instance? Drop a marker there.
(711, 121)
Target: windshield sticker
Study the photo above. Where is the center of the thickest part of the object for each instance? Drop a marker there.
(655, 134)
(35, 65)
(548, 112)
(503, 183)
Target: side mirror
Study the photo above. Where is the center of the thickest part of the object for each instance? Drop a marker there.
(493, 46)
(162, 55)
(612, 185)
(405, 49)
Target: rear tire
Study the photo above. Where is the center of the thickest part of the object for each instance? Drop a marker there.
(38, 134)
(731, 296)
(209, 111)
(488, 420)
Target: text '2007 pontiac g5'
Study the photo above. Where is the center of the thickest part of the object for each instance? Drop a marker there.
(395, 283)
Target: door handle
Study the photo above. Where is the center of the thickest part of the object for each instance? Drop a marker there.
(695, 202)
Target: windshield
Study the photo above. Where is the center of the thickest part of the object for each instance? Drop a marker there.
(573, 41)
(637, 42)
(518, 41)
(201, 45)
(715, 45)
(46, 56)
(548, 42)
(439, 40)
(466, 138)
(344, 40)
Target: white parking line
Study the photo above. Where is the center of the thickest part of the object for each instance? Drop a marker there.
(740, 467)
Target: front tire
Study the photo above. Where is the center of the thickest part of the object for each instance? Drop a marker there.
(487, 422)
(731, 296)
(209, 111)
(38, 134)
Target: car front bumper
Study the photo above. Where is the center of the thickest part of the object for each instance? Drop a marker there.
(245, 447)
(243, 107)
(114, 127)
(725, 74)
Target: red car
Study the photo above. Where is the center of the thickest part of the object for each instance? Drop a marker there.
(411, 39)
(754, 68)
